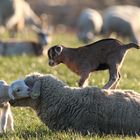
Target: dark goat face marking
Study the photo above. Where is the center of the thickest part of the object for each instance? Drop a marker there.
(53, 55)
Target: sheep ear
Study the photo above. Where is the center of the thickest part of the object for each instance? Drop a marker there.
(35, 93)
(10, 93)
(58, 49)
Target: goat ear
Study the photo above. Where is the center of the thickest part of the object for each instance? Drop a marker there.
(35, 93)
(58, 49)
(10, 93)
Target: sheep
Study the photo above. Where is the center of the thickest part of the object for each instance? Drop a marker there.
(14, 47)
(19, 12)
(101, 55)
(89, 24)
(123, 20)
(84, 110)
(16, 90)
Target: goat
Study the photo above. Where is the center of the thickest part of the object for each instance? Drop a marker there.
(14, 47)
(101, 55)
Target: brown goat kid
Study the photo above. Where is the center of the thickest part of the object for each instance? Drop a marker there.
(101, 55)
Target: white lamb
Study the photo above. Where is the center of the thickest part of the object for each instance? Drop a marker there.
(8, 92)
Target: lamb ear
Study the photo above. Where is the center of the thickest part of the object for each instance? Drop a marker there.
(35, 93)
(58, 49)
(10, 93)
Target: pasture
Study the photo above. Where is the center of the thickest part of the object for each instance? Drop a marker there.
(26, 124)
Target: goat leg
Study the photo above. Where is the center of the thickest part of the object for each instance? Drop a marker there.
(117, 82)
(114, 77)
(83, 78)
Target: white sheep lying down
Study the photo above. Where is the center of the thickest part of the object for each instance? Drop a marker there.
(84, 110)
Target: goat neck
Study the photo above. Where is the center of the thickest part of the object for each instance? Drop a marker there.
(67, 55)
(69, 58)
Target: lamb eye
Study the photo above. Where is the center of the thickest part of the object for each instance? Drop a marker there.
(18, 90)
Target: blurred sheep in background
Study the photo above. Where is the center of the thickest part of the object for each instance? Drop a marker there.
(89, 24)
(124, 20)
(14, 14)
(15, 47)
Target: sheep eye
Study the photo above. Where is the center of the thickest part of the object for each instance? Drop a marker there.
(18, 90)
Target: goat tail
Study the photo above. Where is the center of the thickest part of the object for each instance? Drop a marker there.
(132, 45)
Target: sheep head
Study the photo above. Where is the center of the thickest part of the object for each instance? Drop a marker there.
(44, 37)
(18, 89)
(34, 83)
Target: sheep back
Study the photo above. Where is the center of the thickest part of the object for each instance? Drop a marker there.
(87, 110)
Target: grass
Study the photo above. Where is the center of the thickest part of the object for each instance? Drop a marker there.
(27, 125)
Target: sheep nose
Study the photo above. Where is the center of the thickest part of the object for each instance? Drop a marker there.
(29, 90)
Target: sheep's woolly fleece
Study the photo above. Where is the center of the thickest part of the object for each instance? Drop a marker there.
(84, 110)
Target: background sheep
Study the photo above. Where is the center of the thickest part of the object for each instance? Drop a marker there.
(123, 20)
(14, 47)
(15, 89)
(86, 110)
(101, 55)
(89, 24)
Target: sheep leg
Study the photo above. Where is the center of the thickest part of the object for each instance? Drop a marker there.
(10, 122)
(4, 119)
(83, 78)
(114, 77)
(1, 121)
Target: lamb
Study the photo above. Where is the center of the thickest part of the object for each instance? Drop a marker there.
(123, 20)
(15, 89)
(89, 24)
(84, 110)
(101, 55)
(14, 47)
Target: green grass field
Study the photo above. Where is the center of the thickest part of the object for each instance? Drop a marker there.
(26, 123)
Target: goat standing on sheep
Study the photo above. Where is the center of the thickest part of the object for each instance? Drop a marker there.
(101, 55)
(84, 110)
